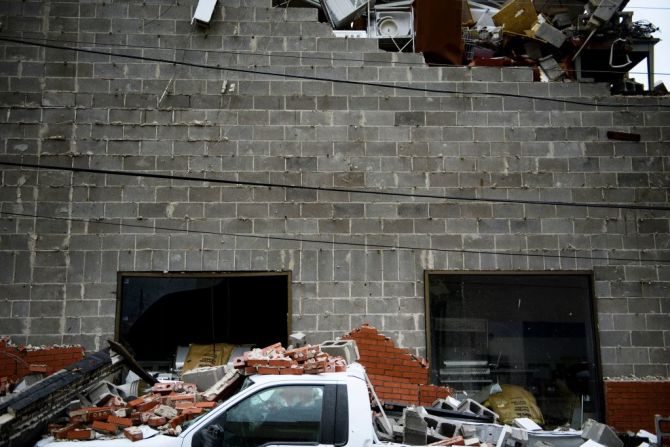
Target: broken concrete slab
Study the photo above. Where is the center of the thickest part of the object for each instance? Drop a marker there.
(204, 377)
(601, 433)
(546, 32)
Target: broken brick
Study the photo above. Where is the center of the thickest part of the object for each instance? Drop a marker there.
(280, 362)
(133, 433)
(183, 405)
(156, 421)
(205, 405)
(180, 398)
(163, 387)
(104, 427)
(61, 432)
(257, 362)
(147, 405)
(80, 434)
(192, 411)
(294, 371)
(124, 422)
(239, 362)
(88, 414)
(179, 420)
(274, 347)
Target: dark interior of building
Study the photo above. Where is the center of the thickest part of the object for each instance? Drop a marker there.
(158, 313)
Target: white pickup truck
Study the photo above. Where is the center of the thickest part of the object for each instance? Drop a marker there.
(273, 410)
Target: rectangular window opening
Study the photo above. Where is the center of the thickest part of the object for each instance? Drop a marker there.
(532, 332)
(157, 313)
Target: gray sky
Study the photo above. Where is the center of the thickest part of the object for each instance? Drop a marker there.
(658, 13)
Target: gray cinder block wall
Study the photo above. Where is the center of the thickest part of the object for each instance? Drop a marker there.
(58, 275)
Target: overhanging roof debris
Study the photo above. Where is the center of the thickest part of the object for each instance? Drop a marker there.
(563, 40)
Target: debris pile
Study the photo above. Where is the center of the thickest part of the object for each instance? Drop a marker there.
(114, 412)
(275, 359)
(165, 408)
(582, 40)
(450, 422)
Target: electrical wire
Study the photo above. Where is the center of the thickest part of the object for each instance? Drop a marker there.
(160, 14)
(341, 81)
(364, 245)
(627, 206)
(285, 55)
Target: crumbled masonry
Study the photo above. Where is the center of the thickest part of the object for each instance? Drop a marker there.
(169, 404)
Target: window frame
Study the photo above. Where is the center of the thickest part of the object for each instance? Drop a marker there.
(591, 325)
(203, 274)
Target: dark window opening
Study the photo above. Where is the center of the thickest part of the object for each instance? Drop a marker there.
(156, 313)
(535, 331)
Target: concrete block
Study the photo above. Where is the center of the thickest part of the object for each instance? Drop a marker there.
(347, 349)
(549, 34)
(470, 406)
(204, 377)
(416, 428)
(601, 434)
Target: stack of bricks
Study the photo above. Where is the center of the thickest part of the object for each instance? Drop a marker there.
(397, 375)
(275, 359)
(167, 407)
(19, 361)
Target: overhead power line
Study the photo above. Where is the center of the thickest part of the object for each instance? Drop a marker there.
(319, 78)
(629, 206)
(287, 55)
(567, 256)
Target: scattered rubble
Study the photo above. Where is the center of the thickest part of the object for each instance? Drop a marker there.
(170, 404)
(425, 426)
(96, 408)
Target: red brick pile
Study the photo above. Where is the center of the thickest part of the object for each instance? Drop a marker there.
(169, 405)
(275, 359)
(18, 361)
(397, 375)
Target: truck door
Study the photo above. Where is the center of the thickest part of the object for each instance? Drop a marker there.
(280, 415)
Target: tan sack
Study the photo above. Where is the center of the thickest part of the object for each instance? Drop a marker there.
(514, 402)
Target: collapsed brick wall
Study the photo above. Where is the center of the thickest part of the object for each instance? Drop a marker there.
(631, 405)
(19, 361)
(397, 375)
